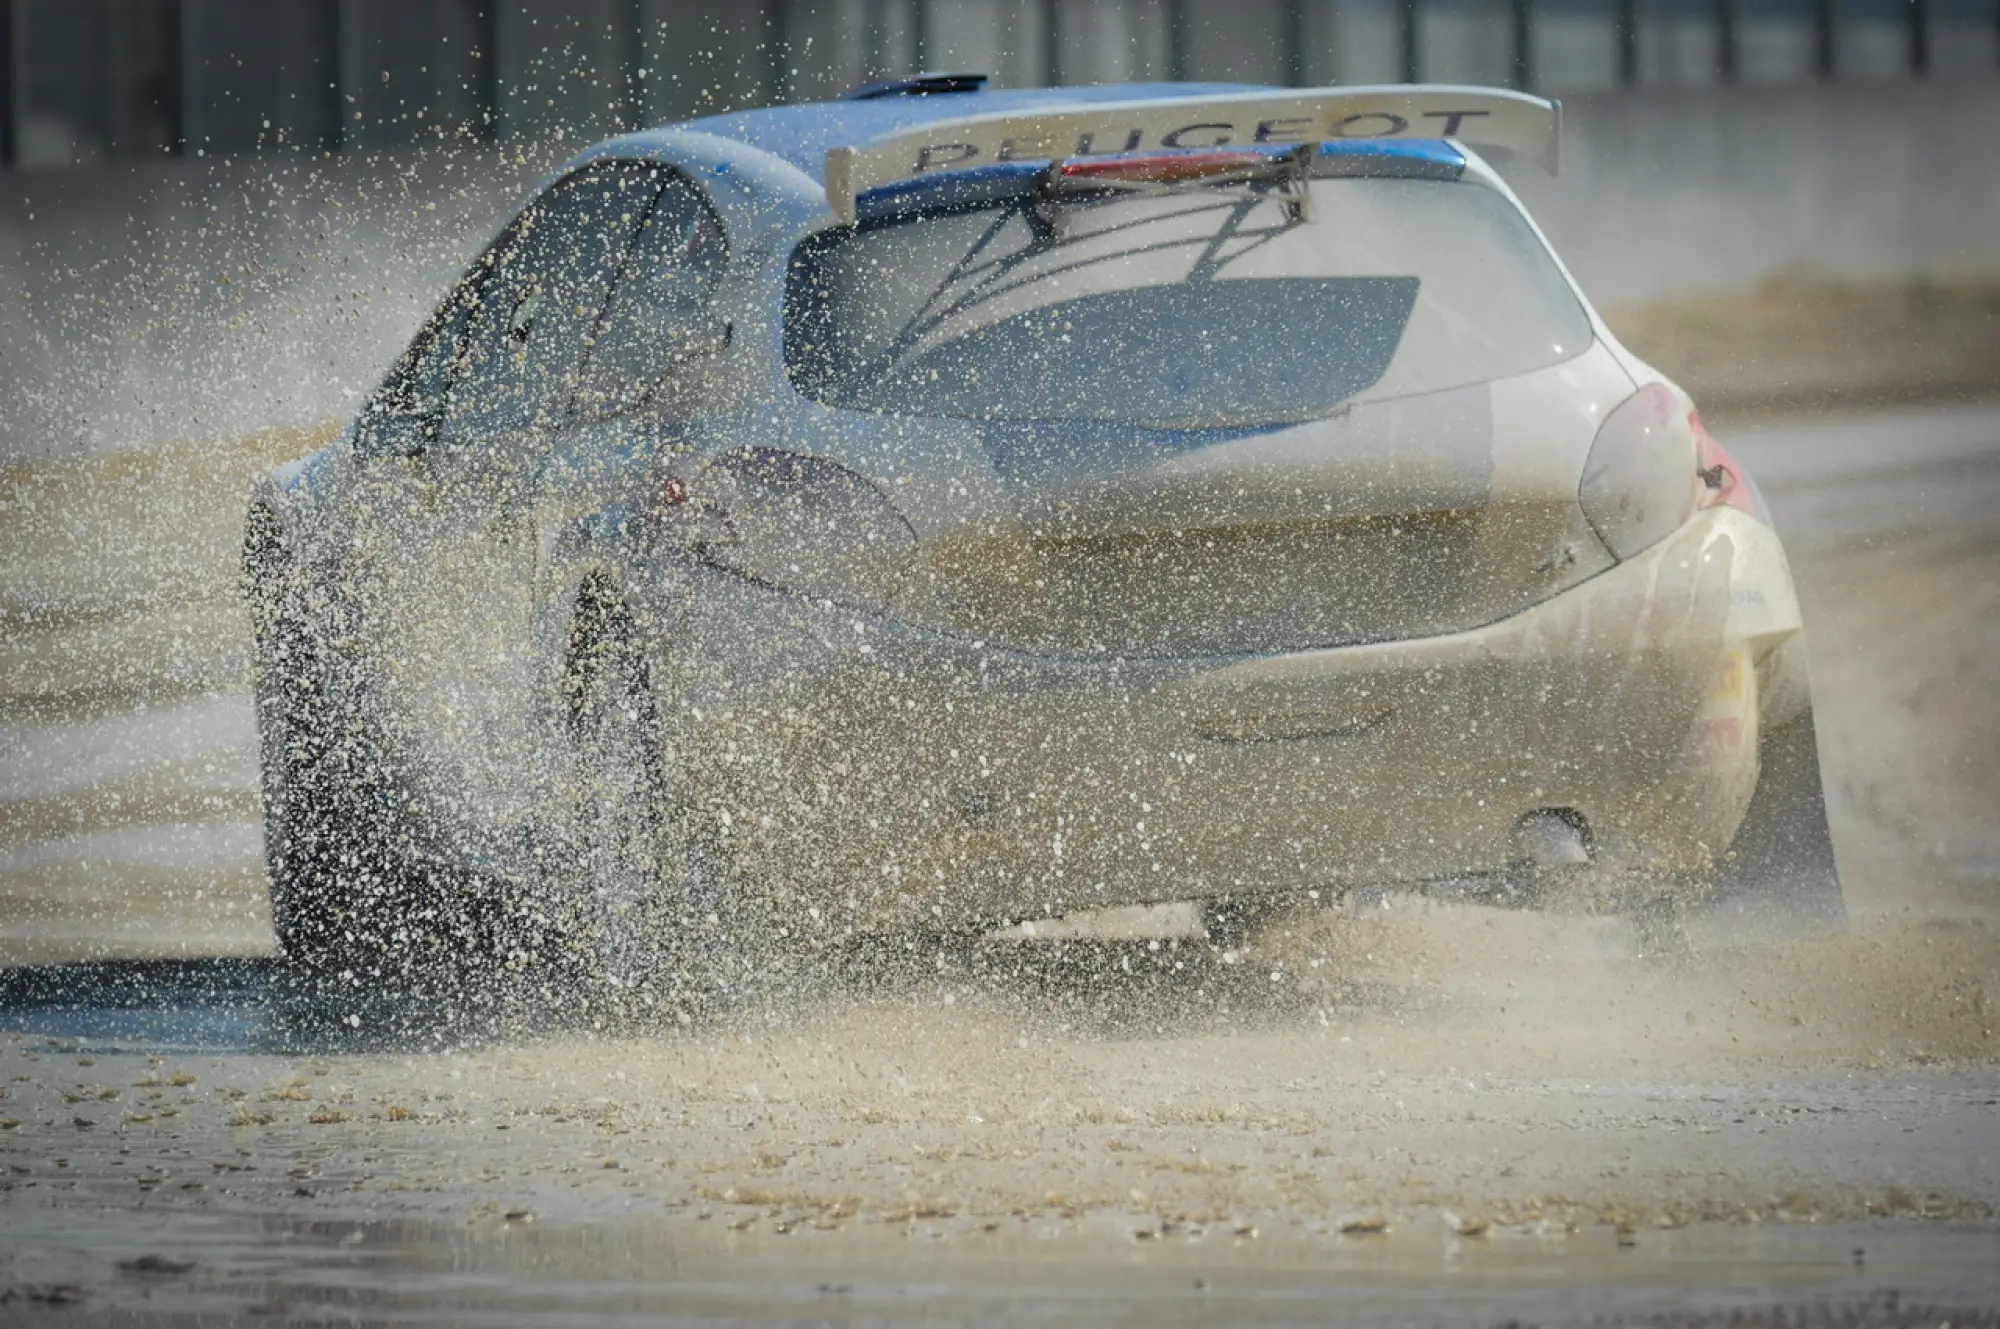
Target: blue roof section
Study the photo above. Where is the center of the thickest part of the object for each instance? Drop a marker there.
(801, 134)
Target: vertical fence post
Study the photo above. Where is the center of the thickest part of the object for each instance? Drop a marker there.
(1521, 21)
(875, 59)
(187, 54)
(923, 41)
(168, 92)
(1177, 40)
(633, 111)
(1824, 54)
(777, 82)
(1628, 43)
(1412, 39)
(1920, 37)
(487, 72)
(7, 83)
(1052, 65)
(1294, 39)
(1725, 40)
(343, 72)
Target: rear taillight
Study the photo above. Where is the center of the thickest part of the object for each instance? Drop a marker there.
(1638, 482)
(1723, 483)
(1653, 466)
(671, 512)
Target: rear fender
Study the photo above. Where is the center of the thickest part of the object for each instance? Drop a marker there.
(606, 558)
(1780, 877)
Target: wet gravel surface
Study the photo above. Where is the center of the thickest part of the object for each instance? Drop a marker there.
(1398, 1113)
(188, 1138)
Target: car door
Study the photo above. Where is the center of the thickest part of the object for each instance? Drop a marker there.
(651, 368)
(443, 572)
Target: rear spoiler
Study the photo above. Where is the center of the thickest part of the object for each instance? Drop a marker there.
(1490, 117)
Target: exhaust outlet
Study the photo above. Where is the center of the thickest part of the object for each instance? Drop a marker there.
(1551, 838)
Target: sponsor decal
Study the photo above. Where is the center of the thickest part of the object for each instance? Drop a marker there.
(1729, 678)
(1212, 131)
(1726, 722)
(1719, 739)
(1233, 122)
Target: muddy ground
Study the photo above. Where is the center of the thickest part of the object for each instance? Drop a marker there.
(1406, 1112)
(1796, 347)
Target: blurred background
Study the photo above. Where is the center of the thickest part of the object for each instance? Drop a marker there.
(220, 219)
(172, 164)
(101, 80)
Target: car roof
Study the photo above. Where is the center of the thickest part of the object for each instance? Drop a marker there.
(801, 134)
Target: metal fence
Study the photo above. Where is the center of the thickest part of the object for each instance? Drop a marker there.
(90, 81)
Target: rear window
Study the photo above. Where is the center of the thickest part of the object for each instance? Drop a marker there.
(1203, 308)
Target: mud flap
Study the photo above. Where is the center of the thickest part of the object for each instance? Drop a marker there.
(1779, 878)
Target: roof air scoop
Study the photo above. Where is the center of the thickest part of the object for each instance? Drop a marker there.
(916, 85)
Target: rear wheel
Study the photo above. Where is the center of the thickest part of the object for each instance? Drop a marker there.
(355, 922)
(331, 885)
(300, 852)
(344, 907)
(1777, 881)
(310, 844)
(1779, 877)
(656, 931)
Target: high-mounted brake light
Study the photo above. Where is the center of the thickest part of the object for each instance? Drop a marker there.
(1163, 167)
(1287, 168)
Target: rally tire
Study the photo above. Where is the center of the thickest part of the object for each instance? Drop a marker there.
(355, 922)
(658, 938)
(1779, 877)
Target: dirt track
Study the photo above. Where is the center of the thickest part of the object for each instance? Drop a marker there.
(1550, 1125)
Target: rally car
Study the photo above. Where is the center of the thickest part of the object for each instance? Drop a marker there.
(946, 507)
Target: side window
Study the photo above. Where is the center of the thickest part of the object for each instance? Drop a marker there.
(502, 354)
(403, 416)
(539, 298)
(661, 316)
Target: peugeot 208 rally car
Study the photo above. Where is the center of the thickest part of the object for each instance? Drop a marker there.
(942, 508)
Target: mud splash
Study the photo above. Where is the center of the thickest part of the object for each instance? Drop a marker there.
(1490, 1089)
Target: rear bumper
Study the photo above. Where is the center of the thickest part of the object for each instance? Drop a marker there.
(891, 776)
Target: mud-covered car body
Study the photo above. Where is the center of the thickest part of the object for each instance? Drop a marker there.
(1008, 530)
